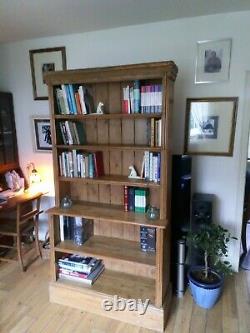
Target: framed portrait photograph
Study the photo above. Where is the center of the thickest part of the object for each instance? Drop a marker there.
(210, 126)
(213, 61)
(42, 132)
(42, 61)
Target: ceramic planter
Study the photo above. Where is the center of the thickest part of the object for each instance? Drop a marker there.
(205, 294)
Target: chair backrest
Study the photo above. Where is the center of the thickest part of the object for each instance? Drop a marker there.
(27, 210)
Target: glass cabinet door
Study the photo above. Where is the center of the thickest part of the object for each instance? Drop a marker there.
(8, 145)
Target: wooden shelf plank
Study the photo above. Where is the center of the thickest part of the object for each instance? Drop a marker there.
(108, 247)
(108, 116)
(112, 180)
(112, 283)
(90, 147)
(106, 212)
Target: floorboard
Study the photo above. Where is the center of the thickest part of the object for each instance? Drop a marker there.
(25, 308)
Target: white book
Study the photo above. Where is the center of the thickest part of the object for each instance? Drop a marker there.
(81, 91)
(61, 219)
(70, 137)
(60, 165)
(75, 173)
(64, 168)
(146, 164)
(151, 166)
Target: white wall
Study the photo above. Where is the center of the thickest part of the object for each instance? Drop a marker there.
(172, 40)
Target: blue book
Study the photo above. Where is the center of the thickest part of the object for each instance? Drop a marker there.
(69, 99)
(72, 99)
(131, 199)
(137, 96)
(91, 165)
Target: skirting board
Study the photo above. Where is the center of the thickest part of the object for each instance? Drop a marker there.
(89, 301)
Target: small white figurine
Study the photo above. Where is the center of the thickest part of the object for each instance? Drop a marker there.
(100, 107)
(133, 173)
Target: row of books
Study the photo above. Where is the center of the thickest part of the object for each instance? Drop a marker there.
(76, 229)
(72, 133)
(152, 166)
(73, 99)
(136, 199)
(80, 269)
(81, 164)
(142, 98)
(155, 132)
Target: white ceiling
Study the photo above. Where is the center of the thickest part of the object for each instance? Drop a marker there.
(26, 19)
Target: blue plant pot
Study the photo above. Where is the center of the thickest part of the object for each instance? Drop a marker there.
(205, 294)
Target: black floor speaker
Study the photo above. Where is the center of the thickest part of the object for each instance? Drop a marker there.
(180, 219)
(201, 215)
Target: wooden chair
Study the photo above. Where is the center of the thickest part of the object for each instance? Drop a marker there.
(24, 219)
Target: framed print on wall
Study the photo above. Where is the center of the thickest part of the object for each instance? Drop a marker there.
(213, 61)
(42, 61)
(42, 132)
(210, 126)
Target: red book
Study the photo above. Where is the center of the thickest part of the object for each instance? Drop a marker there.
(78, 103)
(98, 164)
(125, 198)
(125, 104)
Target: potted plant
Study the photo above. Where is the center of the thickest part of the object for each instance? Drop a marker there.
(206, 282)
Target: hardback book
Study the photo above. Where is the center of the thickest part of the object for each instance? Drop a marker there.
(137, 96)
(83, 278)
(131, 199)
(125, 198)
(79, 263)
(98, 163)
(72, 98)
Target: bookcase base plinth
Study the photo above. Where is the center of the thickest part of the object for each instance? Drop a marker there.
(90, 301)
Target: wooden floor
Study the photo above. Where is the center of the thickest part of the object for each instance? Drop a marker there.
(24, 307)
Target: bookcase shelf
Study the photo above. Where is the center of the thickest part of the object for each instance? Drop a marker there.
(106, 247)
(119, 138)
(108, 116)
(111, 180)
(114, 283)
(110, 147)
(109, 213)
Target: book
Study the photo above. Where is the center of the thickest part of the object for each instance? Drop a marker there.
(81, 92)
(98, 163)
(131, 199)
(141, 200)
(78, 263)
(125, 198)
(137, 96)
(72, 98)
(81, 277)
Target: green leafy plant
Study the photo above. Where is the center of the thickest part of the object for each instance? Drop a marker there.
(212, 241)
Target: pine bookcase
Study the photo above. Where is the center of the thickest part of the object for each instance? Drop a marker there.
(129, 272)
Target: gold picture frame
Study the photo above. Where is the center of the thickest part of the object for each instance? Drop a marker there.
(210, 126)
(42, 61)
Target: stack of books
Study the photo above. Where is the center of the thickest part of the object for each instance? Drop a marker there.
(82, 165)
(155, 133)
(136, 199)
(72, 133)
(73, 99)
(77, 229)
(151, 98)
(80, 269)
(139, 98)
(152, 166)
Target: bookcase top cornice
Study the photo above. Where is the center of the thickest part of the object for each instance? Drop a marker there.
(114, 73)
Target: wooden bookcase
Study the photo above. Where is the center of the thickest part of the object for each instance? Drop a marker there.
(129, 272)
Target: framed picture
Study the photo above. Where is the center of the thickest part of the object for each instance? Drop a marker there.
(42, 61)
(42, 133)
(210, 126)
(213, 61)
